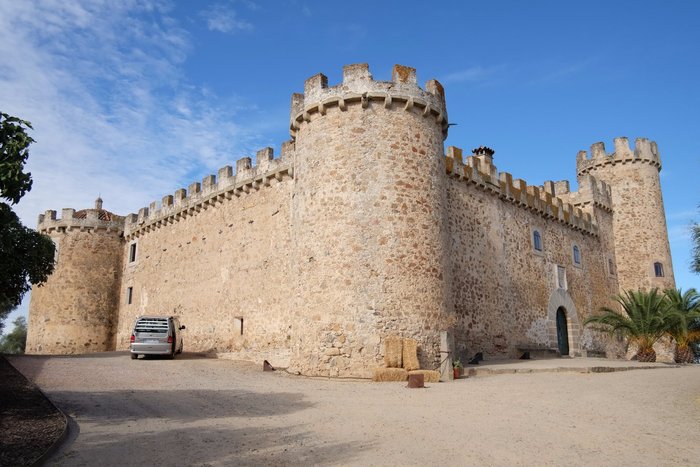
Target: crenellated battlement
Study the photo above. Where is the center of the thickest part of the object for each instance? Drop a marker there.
(358, 88)
(83, 220)
(591, 192)
(214, 189)
(645, 151)
(478, 169)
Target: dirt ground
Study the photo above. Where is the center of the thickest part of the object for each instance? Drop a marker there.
(200, 411)
(29, 424)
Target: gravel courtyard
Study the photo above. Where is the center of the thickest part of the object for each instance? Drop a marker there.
(201, 411)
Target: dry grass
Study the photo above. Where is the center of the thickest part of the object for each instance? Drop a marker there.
(383, 375)
(410, 354)
(393, 352)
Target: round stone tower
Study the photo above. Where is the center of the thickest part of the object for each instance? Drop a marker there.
(641, 243)
(75, 310)
(370, 247)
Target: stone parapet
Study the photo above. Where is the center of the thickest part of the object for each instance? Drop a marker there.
(83, 220)
(484, 175)
(213, 189)
(645, 152)
(591, 192)
(358, 88)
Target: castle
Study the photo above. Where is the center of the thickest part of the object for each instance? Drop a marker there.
(363, 227)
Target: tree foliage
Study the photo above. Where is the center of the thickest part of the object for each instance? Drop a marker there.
(26, 256)
(644, 319)
(14, 152)
(16, 340)
(684, 313)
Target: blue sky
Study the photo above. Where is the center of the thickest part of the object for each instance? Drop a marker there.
(134, 99)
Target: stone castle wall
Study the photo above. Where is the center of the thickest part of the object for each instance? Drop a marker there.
(362, 228)
(219, 258)
(505, 291)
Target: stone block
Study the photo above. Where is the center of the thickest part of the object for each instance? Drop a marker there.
(429, 376)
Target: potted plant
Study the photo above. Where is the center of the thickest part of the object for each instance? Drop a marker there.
(457, 368)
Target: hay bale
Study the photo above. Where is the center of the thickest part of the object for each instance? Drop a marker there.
(429, 376)
(410, 354)
(393, 352)
(382, 375)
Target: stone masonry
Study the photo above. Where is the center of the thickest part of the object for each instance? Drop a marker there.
(363, 228)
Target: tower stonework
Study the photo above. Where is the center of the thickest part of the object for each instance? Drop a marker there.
(368, 212)
(642, 251)
(75, 311)
(362, 231)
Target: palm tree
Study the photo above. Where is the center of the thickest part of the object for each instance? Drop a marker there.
(684, 311)
(643, 320)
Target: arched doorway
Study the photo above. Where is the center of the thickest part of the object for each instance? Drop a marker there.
(562, 331)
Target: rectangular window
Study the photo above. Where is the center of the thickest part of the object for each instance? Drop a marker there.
(132, 252)
(129, 295)
(577, 255)
(659, 269)
(55, 245)
(611, 267)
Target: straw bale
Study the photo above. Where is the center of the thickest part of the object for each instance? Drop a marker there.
(410, 354)
(393, 350)
(389, 374)
(429, 376)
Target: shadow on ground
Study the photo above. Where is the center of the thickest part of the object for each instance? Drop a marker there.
(184, 406)
(289, 445)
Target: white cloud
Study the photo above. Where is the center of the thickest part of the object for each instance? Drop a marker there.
(103, 84)
(471, 74)
(224, 19)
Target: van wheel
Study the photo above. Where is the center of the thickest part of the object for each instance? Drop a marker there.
(134, 356)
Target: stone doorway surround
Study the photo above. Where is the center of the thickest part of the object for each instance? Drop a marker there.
(561, 298)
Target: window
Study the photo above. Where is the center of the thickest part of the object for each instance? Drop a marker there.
(537, 240)
(658, 269)
(611, 267)
(577, 255)
(55, 244)
(132, 252)
(129, 295)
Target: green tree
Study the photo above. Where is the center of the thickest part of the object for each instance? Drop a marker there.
(14, 152)
(26, 257)
(684, 311)
(16, 340)
(643, 320)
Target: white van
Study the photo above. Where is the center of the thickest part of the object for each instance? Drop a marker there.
(156, 335)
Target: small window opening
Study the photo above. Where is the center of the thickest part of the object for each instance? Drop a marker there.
(659, 269)
(132, 252)
(129, 295)
(611, 267)
(239, 325)
(577, 255)
(537, 240)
